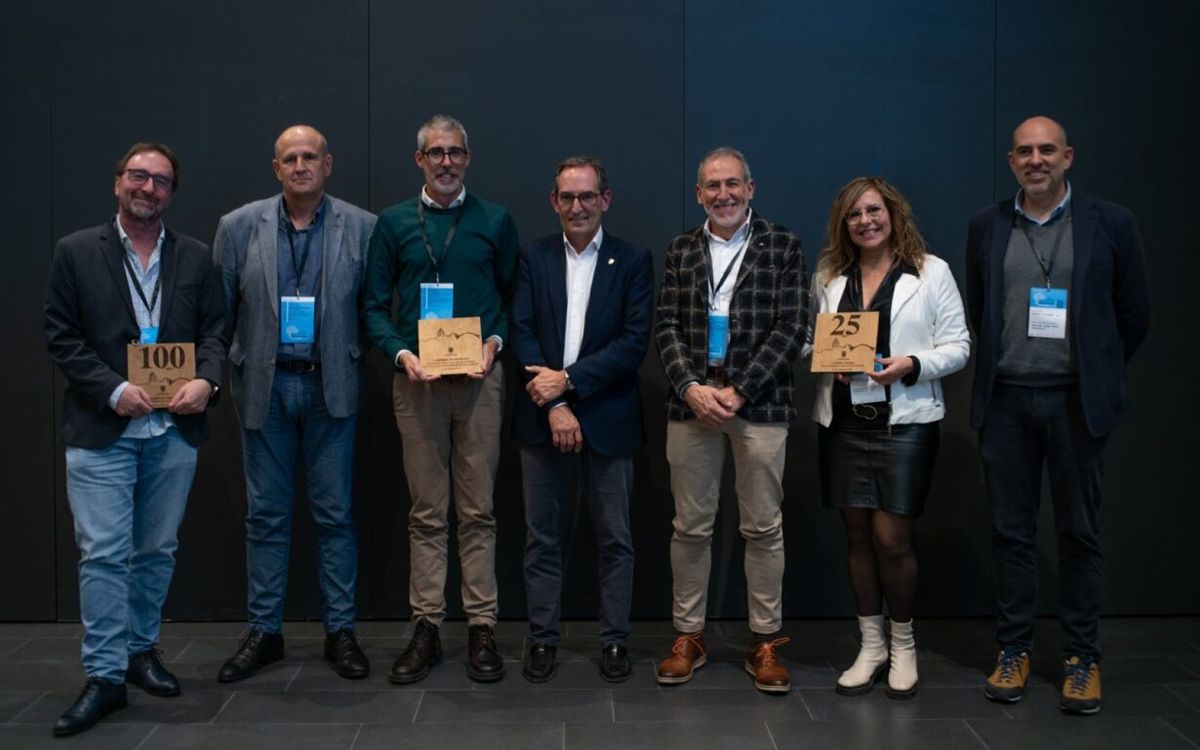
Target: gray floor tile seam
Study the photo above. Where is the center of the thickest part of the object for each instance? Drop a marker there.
(31, 704)
(18, 647)
(975, 733)
(1175, 729)
(1170, 688)
(221, 710)
(1190, 670)
(417, 708)
(354, 739)
(146, 739)
(770, 735)
(191, 642)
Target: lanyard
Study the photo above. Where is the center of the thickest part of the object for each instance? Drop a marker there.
(712, 290)
(141, 293)
(298, 270)
(436, 262)
(1046, 265)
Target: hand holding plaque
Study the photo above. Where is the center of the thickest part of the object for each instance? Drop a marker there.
(161, 369)
(845, 342)
(450, 346)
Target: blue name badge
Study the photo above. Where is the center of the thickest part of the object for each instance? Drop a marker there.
(718, 338)
(149, 335)
(437, 301)
(1047, 313)
(297, 320)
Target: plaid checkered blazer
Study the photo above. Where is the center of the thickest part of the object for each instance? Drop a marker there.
(768, 318)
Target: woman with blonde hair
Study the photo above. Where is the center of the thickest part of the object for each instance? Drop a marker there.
(879, 430)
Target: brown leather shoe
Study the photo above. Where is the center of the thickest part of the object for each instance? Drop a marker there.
(687, 655)
(769, 675)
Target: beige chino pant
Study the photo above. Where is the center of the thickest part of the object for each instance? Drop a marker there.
(696, 453)
(450, 430)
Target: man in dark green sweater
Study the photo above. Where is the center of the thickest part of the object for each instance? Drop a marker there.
(459, 254)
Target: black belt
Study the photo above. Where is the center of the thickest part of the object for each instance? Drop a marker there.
(297, 366)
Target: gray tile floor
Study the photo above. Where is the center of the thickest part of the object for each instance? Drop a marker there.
(1151, 688)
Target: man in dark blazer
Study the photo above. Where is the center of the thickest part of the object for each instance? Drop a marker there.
(129, 465)
(732, 315)
(292, 267)
(1057, 297)
(581, 325)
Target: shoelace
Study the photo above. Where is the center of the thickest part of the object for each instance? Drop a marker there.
(765, 653)
(1077, 676)
(1009, 665)
(682, 641)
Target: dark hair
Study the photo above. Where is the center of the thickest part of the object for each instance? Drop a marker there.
(143, 147)
(582, 161)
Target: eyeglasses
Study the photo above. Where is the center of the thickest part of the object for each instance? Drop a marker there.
(139, 176)
(436, 154)
(587, 200)
(872, 213)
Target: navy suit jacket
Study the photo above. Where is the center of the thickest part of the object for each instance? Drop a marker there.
(616, 332)
(1109, 302)
(90, 321)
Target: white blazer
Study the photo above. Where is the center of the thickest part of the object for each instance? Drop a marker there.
(928, 323)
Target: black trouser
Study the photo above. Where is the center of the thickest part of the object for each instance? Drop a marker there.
(1024, 429)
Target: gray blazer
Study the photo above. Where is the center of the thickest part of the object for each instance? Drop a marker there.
(246, 251)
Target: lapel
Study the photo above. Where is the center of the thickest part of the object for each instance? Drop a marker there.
(703, 266)
(168, 272)
(906, 287)
(335, 224)
(556, 270)
(754, 248)
(1002, 227)
(1083, 229)
(606, 270)
(266, 244)
(114, 258)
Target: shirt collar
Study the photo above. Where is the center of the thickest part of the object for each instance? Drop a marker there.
(594, 244)
(1057, 212)
(128, 244)
(742, 232)
(458, 199)
(285, 219)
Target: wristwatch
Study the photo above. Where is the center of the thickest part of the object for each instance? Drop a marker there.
(567, 377)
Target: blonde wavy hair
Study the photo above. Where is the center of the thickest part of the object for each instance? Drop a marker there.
(840, 252)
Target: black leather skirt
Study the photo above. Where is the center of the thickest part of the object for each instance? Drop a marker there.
(868, 465)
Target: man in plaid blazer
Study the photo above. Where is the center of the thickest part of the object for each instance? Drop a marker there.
(732, 314)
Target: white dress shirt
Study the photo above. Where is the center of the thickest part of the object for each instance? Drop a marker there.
(723, 252)
(581, 267)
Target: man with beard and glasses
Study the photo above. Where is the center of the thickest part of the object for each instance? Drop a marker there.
(581, 325)
(293, 267)
(732, 315)
(129, 465)
(1058, 300)
(460, 251)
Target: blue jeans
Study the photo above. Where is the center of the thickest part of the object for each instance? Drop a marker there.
(1025, 429)
(299, 426)
(550, 483)
(127, 500)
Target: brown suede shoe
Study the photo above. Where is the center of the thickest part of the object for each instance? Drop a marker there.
(769, 675)
(687, 655)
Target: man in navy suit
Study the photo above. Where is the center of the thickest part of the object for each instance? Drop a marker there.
(581, 325)
(129, 465)
(1057, 297)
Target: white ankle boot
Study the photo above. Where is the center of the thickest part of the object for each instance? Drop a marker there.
(872, 658)
(902, 674)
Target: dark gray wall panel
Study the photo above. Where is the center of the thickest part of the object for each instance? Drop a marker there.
(1115, 76)
(219, 88)
(815, 98)
(27, 449)
(532, 84)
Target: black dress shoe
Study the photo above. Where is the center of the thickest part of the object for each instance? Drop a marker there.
(423, 652)
(98, 699)
(349, 661)
(146, 670)
(539, 663)
(258, 649)
(483, 660)
(614, 663)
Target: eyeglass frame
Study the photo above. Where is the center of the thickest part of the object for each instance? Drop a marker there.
(437, 154)
(139, 177)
